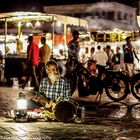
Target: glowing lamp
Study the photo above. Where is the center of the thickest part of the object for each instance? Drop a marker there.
(21, 111)
(21, 102)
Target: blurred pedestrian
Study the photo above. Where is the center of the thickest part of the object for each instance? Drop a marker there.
(19, 46)
(92, 52)
(85, 55)
(32, 63)
(61, 62)
(110, 55)
(1, 57)
(101, 57)
(73, 53)
(44, 57)
(92, 68)
(129, 53)
(73, 48)
(117, 60)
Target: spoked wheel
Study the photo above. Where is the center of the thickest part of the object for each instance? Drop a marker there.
(117, 86)
(135, 87)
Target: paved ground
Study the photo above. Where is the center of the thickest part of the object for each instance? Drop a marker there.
(97, 130)
(98, 125)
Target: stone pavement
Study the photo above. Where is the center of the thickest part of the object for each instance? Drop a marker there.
(98, 127)
(97, 130)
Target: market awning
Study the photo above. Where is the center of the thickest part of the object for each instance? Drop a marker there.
(25, 16)
(71, 20)
(30, 16)
(21, 16)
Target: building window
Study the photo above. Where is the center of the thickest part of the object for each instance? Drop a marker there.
(103, 14)
(125, 16)
(131, 19)
(97, 14)
(85, 15)
(119, 15)
(110, 15)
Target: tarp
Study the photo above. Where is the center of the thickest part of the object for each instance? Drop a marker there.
(21, 16)
(25, 16)
(30, 16)
(71, 20)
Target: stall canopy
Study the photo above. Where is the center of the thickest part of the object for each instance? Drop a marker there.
(25, 16)
(71, 20)
(138, 20)
(31, 16)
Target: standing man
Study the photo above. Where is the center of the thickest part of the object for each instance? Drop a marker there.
(32, 62)
(92, 52)
(44, 55)
(19, 46)
(73, 58)
(129, 53)
(101, 57)
(110, 55)
(117, 60)
(73, 48)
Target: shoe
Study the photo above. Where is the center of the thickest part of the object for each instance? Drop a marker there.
(77, 120)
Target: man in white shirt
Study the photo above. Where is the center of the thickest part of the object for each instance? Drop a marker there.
(110, 55)
(101, 57)
(92, 51)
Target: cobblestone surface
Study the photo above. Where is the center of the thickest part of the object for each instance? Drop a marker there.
(102, 129)
(96, 127)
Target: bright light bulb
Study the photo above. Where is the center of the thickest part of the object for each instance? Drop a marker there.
(28, 24)
(19, 24)
(58, 24)
(37, 23)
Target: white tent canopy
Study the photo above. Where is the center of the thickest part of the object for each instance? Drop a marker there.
(25, 16)
(31, 16)
(71, 20)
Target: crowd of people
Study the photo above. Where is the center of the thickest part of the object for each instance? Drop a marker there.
(45, 71)
(37, 58)
(121, 59)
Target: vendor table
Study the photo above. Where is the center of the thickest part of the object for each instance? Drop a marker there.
(14, 67)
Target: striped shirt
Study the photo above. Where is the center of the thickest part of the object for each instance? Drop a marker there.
(60, 88)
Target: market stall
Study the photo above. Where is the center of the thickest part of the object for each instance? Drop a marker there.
(13, 61)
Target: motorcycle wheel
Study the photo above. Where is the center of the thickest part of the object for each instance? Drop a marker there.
(135, 86)
(117, 87)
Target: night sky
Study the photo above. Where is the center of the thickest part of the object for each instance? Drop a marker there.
(36, 5)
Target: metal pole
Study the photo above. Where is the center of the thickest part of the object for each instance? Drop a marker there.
(19, 30)
(5, 32)
(65, 37)
(53, 34)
